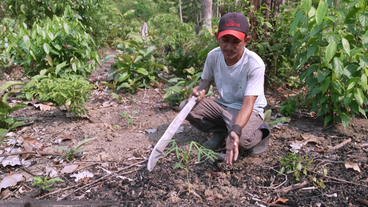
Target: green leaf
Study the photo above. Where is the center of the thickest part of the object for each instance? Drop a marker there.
(83, 142)
(59, 67)
(325, 84)
(345, 120)
(321, 11)
(142, 71)
(363, 18)
(312, 50)
(363, 61)
(281, 119)
(338, 67)
(108, 58)
(46, 48)
(296, 20)
(3, 132)
(306, 5)
(27, 41)
(330, 51)
(346, 45)
(62, 148)
(363, 82)
(8, 84)
(327, 120)
(359, 96)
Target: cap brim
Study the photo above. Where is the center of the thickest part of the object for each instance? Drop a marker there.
(237, 34)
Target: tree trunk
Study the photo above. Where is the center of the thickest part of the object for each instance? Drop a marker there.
(206, 14)
(253, 19)
(181, 14)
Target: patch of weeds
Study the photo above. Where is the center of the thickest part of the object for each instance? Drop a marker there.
(300, 101)
(70, 153)
(293, 163)
(129, 118)
(70, 91)
(44, 183)
(184, 157)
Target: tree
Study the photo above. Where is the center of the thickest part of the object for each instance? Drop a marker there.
(206, 14)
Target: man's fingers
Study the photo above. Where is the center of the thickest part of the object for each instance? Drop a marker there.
(236, 152)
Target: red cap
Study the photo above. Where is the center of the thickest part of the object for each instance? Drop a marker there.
(235, 24)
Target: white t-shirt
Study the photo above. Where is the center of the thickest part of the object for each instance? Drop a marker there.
(245, 78)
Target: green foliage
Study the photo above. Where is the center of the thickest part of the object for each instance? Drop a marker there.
(44, 183)
(136, 66)
(129, 119)
(300, 101)
(61, 45)
(185, 156)
(182, 88)
(334, 41)
(71, 92)
(267, 114)
(70, 153)
(6, 121)
(294, 163)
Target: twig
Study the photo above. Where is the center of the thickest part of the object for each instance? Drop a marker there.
(277, 172)
(340, 145)
(364, 145)
(269, 204)
(102, 178)
(343, 181)
(292, 187)
(29, 152)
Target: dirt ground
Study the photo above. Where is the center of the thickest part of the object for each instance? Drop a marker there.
(113, 166)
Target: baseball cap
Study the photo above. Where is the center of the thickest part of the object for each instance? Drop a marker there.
(235, 24)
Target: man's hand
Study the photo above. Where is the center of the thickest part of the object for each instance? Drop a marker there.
(199, 94)
(232, 148)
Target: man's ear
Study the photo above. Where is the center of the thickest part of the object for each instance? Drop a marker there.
(216, 35)
(247, 39)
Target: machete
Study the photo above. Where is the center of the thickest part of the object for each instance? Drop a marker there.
(157, 151)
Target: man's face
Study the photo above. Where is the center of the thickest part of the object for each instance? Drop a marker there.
(232, 48)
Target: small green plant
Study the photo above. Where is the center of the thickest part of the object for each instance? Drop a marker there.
(70, 153)
(300, 101)
(44, 183)
(184, 157)
(71, 91)
(6, 121)
(294, 163)
(129, 119)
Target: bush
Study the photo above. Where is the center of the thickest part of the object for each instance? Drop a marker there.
(71, 92)
(59, 45)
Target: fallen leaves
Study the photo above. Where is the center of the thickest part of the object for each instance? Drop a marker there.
(306, 138)
(352, 165)
(11, 180)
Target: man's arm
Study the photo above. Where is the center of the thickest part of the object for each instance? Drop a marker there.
(232, 142)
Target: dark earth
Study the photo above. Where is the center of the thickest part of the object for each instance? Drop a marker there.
(116, 159)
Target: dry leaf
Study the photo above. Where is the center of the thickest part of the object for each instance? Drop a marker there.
(11, 180)
(82, 175)
(211, 198)
(352, 165)
(362, 201)
(69, 169)
(31, 144)
(43, 107)
(282, 200)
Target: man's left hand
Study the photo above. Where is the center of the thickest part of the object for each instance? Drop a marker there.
(232, 148)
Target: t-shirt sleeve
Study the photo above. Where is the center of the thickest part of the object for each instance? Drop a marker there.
(255, 86)
(207, 73)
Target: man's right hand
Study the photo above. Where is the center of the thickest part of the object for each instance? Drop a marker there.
(199, 94)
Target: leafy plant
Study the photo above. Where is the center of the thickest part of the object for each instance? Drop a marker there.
(294, 163)
(61, 45)
(300, 101)
(182, 88)
(6, 121)
(129, 119)
(136, 66)
(332, 38)
(184, 157)
(70, 153)
(71, 92)
(45, 183)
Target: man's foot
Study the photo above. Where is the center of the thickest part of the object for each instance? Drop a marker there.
(263, 144)
(216, 141)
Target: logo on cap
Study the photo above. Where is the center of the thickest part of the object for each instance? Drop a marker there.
(232, 23)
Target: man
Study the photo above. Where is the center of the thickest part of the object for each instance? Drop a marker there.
(237, 116)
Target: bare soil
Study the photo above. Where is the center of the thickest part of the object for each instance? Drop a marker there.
(117, 158)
